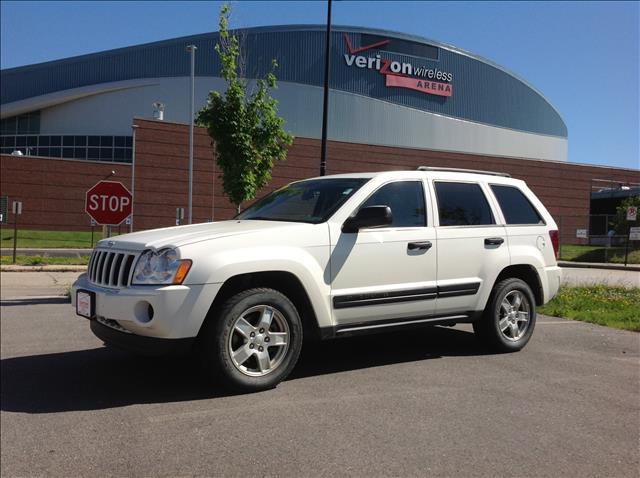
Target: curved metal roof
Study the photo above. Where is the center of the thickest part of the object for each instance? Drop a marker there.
(485, 92)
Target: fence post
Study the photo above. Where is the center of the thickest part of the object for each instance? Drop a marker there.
(626, 247)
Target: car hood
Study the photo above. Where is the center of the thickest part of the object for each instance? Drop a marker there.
(182, 235)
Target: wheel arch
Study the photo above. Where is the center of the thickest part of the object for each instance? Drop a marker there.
(283, 281)
(527, 274)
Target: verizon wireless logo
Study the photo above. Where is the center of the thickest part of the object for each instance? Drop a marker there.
(399, 74)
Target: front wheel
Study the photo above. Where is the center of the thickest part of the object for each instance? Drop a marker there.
(255, 340)
(509, 318)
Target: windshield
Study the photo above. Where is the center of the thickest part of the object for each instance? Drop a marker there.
(312, 201)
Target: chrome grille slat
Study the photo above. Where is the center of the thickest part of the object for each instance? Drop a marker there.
(114, 266)
(105, 267)
(120, 283)
(95, 265)
(111, 268)
(103, 256)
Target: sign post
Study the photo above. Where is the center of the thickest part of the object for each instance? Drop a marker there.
(179, 215)
(108, 203)
(632, 214)
(17, 210)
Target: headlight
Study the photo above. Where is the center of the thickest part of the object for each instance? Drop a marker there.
(161, 267)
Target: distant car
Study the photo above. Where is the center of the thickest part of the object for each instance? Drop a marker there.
(329, 257)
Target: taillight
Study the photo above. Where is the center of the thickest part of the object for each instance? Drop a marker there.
(554, 240)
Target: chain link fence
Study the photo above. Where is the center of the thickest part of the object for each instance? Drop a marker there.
(597, 243)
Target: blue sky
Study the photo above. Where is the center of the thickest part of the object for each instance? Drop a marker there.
(583, 56)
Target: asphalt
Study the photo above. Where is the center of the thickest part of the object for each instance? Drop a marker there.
(420, 403)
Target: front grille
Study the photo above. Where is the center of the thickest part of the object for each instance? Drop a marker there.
(111, 268)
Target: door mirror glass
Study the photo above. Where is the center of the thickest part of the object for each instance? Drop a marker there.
(367, 217)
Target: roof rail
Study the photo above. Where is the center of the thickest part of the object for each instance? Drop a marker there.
(460, 170)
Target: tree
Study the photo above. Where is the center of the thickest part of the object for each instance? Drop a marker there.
(245, 129)
(620, 223)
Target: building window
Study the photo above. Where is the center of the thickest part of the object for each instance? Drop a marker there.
(94, 148)
(28, 123)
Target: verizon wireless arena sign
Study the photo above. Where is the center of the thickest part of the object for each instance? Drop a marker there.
(399, 74)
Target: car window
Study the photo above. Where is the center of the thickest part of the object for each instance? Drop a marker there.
(515, 206)
(462, 204)
(312, 201)
(406, 200)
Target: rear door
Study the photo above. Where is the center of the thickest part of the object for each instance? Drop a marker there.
(472, 248)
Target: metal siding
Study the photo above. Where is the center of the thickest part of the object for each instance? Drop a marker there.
(482, 92)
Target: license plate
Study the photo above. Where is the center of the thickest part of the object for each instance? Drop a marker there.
(85, 304)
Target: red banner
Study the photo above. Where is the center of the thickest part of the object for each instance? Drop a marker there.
(425, 86)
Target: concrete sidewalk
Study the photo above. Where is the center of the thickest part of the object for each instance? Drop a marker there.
(51, 252)
(600, 265)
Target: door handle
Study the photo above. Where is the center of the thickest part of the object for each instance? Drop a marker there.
(425, 245)
(493, 241)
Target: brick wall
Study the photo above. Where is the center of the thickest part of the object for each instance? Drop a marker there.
(53, 190)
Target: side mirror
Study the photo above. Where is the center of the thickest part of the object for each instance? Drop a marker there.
(371, 216)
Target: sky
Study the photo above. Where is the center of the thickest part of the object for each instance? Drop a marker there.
(582, 56)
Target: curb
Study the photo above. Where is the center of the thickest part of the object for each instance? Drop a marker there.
(587, 265)
(46, 268)
(34, 300)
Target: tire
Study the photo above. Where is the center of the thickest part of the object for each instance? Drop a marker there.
(509, 319)
(254, 342)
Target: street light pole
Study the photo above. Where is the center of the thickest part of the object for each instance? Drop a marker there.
(325, 106)
(134, 127)
(192, 50)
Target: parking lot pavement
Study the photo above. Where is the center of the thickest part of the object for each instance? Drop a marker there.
(426, 402)
(574, 276)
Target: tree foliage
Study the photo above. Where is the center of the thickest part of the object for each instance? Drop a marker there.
(245, 128)
(620, 223)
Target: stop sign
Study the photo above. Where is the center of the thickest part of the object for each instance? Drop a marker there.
(108, 203)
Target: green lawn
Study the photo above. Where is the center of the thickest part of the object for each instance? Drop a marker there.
(51, 239)
(42, 261)
(576, 253)
(611, 306)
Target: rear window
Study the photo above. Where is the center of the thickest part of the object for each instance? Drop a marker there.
(515, 206)
(462, 204)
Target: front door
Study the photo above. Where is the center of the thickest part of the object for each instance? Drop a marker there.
(383, 274)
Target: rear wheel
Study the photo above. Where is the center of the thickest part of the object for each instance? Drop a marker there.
(254, 342)
(509, 318)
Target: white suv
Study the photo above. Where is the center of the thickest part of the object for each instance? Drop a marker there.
(329, 257)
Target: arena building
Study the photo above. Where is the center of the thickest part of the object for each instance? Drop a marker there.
(396, 101)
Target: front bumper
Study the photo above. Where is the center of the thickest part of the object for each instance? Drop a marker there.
(163, 312)
(140, 344)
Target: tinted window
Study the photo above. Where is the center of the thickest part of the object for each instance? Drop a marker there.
(515, 206)
(406, 200)
(311, 201)
(462, 204)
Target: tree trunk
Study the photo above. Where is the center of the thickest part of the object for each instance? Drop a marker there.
(238, 208)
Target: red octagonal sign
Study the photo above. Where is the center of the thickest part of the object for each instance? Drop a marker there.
(108, 203)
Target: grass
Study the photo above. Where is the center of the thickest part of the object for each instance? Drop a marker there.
(50, 239)
(45, 261)
(576, 253)
(616, 307)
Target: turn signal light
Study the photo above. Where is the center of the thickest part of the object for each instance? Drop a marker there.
(182, 271)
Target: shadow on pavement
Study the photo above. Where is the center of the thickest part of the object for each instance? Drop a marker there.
(105, 377)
